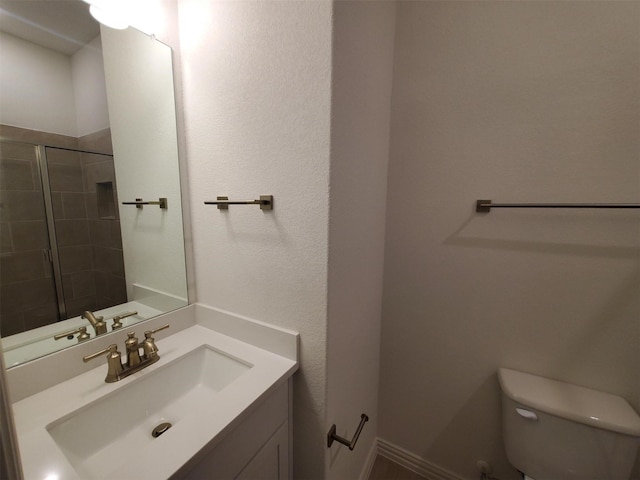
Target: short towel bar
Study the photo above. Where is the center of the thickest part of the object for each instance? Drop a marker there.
(265, 202)
(139, 203)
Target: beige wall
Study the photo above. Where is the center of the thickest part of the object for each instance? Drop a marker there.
(362, 61)
(510, 101)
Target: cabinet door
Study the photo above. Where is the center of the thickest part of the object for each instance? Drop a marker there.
(271, 462)
(232, 455)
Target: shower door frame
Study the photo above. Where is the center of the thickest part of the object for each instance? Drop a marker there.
(54, 257)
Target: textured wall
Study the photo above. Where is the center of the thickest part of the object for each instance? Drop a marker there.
(511, 101)
(360, 111)
(257, 102)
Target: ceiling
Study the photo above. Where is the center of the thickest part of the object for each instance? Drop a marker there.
(64, 26)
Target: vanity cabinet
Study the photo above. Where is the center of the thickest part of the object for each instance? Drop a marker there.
(229, 402)
(257, 447)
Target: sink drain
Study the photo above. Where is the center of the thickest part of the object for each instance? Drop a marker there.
(160, 429)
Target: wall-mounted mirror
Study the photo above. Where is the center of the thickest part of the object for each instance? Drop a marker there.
(87, 124)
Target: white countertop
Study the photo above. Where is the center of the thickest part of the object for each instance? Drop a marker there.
(42, 459)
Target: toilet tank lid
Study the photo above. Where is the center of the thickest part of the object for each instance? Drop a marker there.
(580, 404)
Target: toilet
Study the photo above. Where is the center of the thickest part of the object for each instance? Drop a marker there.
(557, 431)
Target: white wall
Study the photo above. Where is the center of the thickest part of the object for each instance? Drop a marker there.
(510, 101)
(36, 89)
(257, 92)
(44, 90)
(143, 129)
(362, 64)
(89, 90)
(292, 99)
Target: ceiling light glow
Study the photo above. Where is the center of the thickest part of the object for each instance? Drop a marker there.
(108, 18)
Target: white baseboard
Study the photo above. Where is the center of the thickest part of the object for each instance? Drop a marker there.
(413, 462)
(371, 459)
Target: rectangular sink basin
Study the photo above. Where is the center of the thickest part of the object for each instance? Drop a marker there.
(110, 432)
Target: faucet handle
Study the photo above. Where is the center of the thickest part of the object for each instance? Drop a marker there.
(149, 348)
(81, 338)
(117, 319)
(148, 333)
(114, 362)
(111, 350)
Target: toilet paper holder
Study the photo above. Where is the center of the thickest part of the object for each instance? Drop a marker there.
(331, 436)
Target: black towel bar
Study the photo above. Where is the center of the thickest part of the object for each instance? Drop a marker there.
(487, 205)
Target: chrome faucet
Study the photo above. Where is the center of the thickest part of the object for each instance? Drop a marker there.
(97, 323)
(116, 370)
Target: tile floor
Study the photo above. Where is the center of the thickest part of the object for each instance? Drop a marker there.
(385, 469)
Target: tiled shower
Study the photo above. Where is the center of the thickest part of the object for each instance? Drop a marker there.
(61, 247)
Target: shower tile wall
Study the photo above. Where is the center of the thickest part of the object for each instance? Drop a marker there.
(104, 224)
(104, 230)
(89, 242)
(97, 142)
(27, 290)
(17, 134)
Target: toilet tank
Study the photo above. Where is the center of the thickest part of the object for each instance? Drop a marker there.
(555, 430)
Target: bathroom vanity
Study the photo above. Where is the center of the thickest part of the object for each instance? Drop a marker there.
(257, 448)
(216, 405)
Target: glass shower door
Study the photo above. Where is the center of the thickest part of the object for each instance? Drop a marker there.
(28, 296)
(61, 246)
(86, 223)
